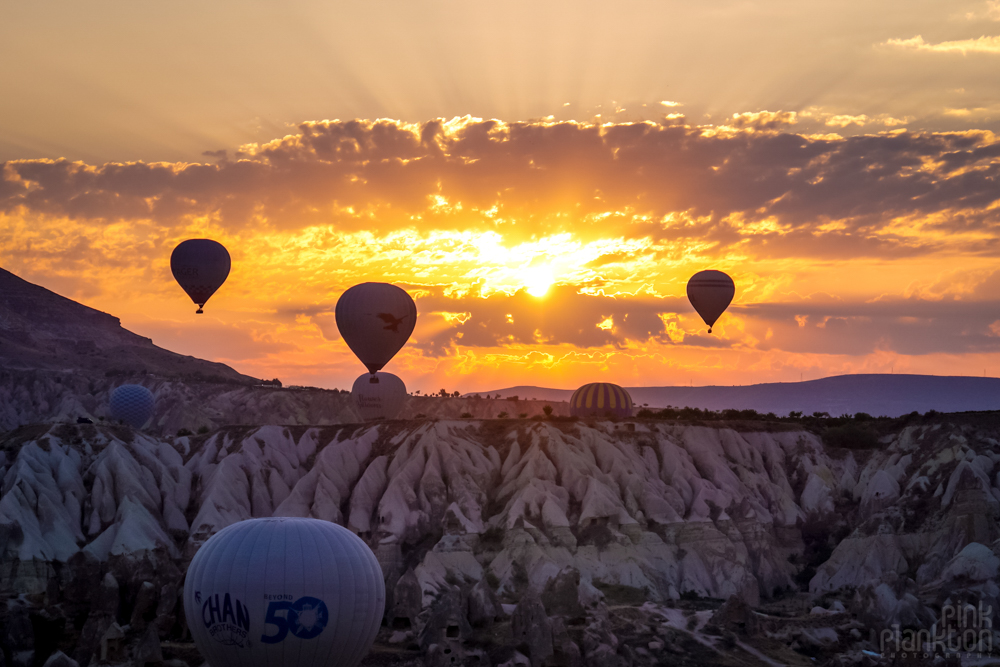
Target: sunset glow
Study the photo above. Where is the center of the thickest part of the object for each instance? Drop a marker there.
(545, 210)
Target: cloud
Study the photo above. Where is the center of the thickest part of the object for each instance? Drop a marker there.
(763, 120)
(563, 316)
(905, 326)
(666, 182)
(467, 213)
(982, 44)
(990, 12)
(918, 325)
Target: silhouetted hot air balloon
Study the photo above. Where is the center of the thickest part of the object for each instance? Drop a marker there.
(376, 320)
(133, 404)
(284, 591)
(710, 292)
(378, 396)
(200, 266)
(599, 399)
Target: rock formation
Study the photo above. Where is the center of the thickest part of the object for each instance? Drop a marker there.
(581, 543)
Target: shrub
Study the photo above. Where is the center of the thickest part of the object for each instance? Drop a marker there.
(851, 436)
(523, 415)
(183, 432)
(466, 415)
(502, 415)
(547, 410)
(203, 430)
(619, 594)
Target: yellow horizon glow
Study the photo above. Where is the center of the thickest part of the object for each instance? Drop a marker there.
(537, 281)
(531, 268)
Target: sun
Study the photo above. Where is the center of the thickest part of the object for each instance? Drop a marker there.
(537, 281)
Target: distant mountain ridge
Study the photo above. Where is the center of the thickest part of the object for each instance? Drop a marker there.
(41, 330)
(889, 395)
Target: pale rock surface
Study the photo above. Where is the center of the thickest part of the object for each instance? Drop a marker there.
(452, 505)
(858, 561)
(976, 562)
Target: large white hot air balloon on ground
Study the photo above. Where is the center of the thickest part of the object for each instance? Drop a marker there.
(200, 266)
(132, 404)
(378, 396)
(376, 320)
(284, 591)
(710, 292)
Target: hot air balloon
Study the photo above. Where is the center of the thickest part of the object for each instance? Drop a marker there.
(375, 319)
(710, 292)
(284, 591)
(200, 266)
(599, 399)
(132, 403)
(378, 396)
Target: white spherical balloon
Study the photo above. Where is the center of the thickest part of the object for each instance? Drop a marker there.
(284, 591)
(378, 396)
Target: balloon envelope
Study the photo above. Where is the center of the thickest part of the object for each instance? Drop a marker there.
(200, 266)
(379, 399)
(284, 591)
(710, 292)
(600, 399)
(376, 320)
(133, 404)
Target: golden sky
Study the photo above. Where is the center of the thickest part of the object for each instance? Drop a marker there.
(542, 178)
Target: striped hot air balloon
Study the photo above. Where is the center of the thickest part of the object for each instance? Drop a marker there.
(600, 399)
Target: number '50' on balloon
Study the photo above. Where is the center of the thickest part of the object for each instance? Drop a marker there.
(284, 591)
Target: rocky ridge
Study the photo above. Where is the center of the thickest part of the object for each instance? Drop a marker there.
(515, 541)
(198, 403)
(40, 330)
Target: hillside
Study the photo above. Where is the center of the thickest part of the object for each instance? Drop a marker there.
(40, 330)
(566, 542)
(889, 395)
(60, 360)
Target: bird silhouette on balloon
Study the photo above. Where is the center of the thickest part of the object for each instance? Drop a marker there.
(391, 321)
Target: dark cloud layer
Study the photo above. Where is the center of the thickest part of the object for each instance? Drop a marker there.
(563, 316)
(912, 326)
(537, 178)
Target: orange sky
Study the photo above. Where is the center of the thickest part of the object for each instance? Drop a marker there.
(858, 216)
